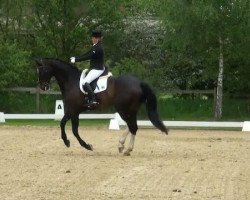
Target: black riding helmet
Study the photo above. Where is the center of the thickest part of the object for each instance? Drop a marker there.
(96, 33)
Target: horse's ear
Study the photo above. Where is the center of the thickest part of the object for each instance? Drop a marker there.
(38, 61)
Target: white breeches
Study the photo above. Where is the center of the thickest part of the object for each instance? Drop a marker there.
(92, 75)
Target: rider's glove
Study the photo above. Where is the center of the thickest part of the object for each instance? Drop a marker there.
(72, 59)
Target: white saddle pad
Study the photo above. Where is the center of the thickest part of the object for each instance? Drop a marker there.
(101, 82)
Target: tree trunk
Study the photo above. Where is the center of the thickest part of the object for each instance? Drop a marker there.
(219, 93)
(37, 99)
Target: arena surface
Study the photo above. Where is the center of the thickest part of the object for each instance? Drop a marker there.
(187, 164)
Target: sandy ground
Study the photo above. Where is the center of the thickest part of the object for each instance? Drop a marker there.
(35, 165)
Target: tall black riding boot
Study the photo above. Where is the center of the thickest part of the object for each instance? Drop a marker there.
(91, 95)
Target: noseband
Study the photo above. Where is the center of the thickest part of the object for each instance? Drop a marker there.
(44, 84)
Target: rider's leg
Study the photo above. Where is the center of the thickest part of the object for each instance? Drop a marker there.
(91, 94)
(92, 75)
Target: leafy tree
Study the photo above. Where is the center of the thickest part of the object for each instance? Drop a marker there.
(200, 36)
(172, 44)
(15, 59)
(12, 14)
(130, 66)
(14, 65)
(58, 27)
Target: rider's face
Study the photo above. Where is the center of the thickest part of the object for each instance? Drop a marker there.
(95, 40)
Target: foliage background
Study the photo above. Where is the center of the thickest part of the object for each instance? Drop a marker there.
(169, 44)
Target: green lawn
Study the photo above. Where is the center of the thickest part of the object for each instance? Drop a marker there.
(22, 122)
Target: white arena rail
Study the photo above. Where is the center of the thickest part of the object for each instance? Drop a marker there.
(244, 126)
(197, 124)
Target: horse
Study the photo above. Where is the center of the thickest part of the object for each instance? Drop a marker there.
(126, 93)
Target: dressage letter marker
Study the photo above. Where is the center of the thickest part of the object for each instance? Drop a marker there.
(59, 110)
(114, 125)
(246, 126)
(2, 119)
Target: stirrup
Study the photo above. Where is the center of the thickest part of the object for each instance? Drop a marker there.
(92, 103)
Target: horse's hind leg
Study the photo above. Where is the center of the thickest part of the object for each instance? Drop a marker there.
(132, 125)
(122, 141)
(75, 124)
(63, 133)
(130, 146)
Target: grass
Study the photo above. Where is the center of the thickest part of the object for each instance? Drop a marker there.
(17, 102)
(52, 123)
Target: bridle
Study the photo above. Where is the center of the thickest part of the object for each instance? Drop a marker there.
(44, 84)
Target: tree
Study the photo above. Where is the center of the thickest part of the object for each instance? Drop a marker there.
(63, 28)
(14, 65)
(58, 27)
(204, 32)
(15, 59)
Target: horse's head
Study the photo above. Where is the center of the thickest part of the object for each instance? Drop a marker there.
(44, 74)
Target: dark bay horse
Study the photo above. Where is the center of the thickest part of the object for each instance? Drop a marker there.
(126, 93)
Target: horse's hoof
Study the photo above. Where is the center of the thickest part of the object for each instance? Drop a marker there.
(165, 132)
(67, 143)
(120, 149)
(90, 147)
(126, 153)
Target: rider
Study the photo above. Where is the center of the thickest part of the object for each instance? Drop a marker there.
(96, 57)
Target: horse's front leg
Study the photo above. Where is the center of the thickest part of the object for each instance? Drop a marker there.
(75, 124)
(63, 133)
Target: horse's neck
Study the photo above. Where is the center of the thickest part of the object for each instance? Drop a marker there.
(61, 82)
(64, 77)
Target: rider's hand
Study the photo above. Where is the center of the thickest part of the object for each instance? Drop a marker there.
(72, 59)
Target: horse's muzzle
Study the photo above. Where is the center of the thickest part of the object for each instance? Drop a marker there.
(44, 86)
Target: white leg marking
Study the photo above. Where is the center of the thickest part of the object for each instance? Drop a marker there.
(131, 145)
(123, 137)
(122, 141)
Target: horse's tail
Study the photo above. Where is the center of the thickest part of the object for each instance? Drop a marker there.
(150, 100)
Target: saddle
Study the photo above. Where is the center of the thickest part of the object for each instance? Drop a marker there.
(97, 85)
